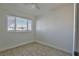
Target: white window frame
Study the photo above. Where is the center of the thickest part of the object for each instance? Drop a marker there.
(15, 25)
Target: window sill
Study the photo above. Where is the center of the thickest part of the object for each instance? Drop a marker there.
(20, 31)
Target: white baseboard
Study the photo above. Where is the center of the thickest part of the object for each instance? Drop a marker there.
(14, 46)
(44, 43)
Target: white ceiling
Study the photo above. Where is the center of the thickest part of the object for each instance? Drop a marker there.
(44, 7)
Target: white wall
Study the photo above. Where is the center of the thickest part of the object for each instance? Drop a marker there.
(13, 39)
(56, 28)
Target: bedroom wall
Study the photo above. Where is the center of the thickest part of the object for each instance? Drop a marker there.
(56, 28)
(13, 39)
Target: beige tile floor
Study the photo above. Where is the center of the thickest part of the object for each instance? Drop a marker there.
(33, 49)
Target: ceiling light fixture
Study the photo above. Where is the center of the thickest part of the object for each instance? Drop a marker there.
(33, 5)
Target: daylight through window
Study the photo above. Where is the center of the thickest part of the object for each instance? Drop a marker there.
(19, 24)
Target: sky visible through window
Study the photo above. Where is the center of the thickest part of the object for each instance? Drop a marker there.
(21, 23)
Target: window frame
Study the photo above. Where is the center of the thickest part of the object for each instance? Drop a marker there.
(15, 24)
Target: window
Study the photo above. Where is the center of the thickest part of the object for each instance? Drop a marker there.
(19, 24)
(29, 25)
(11, 23)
